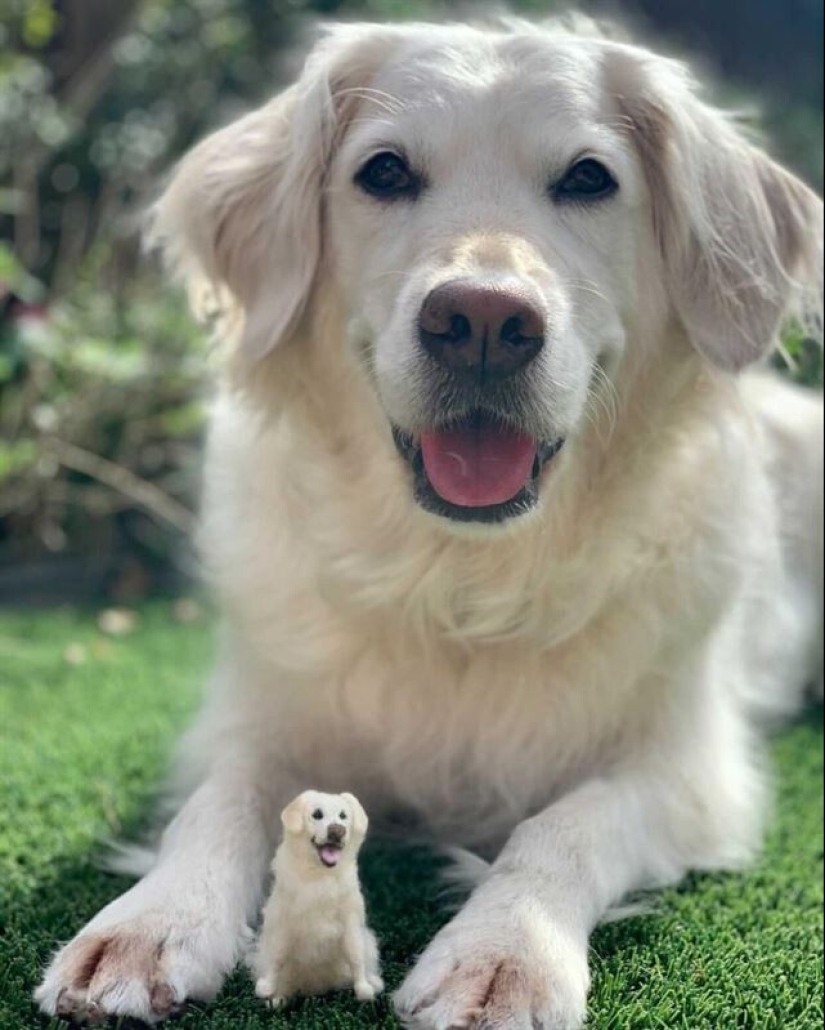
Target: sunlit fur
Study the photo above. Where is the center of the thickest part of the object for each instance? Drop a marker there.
(578, 693)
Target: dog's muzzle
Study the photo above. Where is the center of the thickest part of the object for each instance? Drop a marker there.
(331, 850)
(479, 340)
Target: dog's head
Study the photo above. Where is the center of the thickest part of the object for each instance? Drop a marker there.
(511, 221)
(324, 830)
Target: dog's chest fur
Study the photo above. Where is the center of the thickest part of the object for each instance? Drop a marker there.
(468, 740)
(470, 685)
(323, 902)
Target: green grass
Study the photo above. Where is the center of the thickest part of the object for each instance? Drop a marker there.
(81, 748)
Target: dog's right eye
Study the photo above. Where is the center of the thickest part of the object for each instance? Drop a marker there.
(317, 815)
(388, 177)
(587, 180)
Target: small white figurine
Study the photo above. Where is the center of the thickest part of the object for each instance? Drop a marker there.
(315, 936)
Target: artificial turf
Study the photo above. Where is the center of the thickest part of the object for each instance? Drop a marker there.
(84, 734)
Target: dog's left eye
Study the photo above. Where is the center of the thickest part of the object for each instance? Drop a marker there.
(317, 815)
(586, 180)
(388, 177)
(343, 817)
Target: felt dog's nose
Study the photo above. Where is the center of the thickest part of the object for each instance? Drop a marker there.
(336, 833)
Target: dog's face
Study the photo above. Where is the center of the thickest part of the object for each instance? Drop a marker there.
(484, 228)
(508, 220)
(324, 830)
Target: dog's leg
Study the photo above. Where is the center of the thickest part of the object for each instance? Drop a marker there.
(516, 956)
(373, 962)
(270, 958)
(178, 932)
(356, 949)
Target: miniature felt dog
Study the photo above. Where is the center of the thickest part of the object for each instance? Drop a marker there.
(315, 936)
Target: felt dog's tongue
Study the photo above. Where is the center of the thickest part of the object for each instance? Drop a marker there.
(477, 463)
(330, 855)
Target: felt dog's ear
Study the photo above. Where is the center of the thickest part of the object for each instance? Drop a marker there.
(360, 822)
(241, 221)
(292, 816)
(740, 238)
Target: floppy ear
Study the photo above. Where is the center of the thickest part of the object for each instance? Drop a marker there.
(241, 220)
(292, 816)
(359, 817)
(740, 238)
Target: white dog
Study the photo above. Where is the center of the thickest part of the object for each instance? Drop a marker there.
(315, 937)
(503, 535)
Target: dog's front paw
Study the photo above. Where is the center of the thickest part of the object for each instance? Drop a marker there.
(364, 991)
(144, 967)
(267, 990)
(498, 969)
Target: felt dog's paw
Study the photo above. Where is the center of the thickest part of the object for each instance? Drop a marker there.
(267, 990)
(365, 991)
(496, 975)
(264, 987)
(143, 968)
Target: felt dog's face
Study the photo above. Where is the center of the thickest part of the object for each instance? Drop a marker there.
(326, 828)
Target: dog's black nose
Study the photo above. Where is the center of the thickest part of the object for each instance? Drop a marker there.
(488, 331)
(336, 833)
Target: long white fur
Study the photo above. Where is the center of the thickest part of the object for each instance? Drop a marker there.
(578, 693)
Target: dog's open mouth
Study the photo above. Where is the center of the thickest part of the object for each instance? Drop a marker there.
(330, 854)
(476, 470)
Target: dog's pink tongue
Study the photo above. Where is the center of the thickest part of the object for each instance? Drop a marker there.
(476, 465)
(330, 856)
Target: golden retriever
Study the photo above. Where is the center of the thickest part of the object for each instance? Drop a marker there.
(315, 937)
(505, 536)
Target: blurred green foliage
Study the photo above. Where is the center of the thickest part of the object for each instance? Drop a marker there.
(100, 424)
(102, 374)
(801, 358)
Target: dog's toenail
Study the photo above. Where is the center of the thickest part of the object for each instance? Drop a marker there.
(94, 1014)
(63, 1005)
(162, 999)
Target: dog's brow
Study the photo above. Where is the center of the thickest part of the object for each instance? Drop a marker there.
(379, 97)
